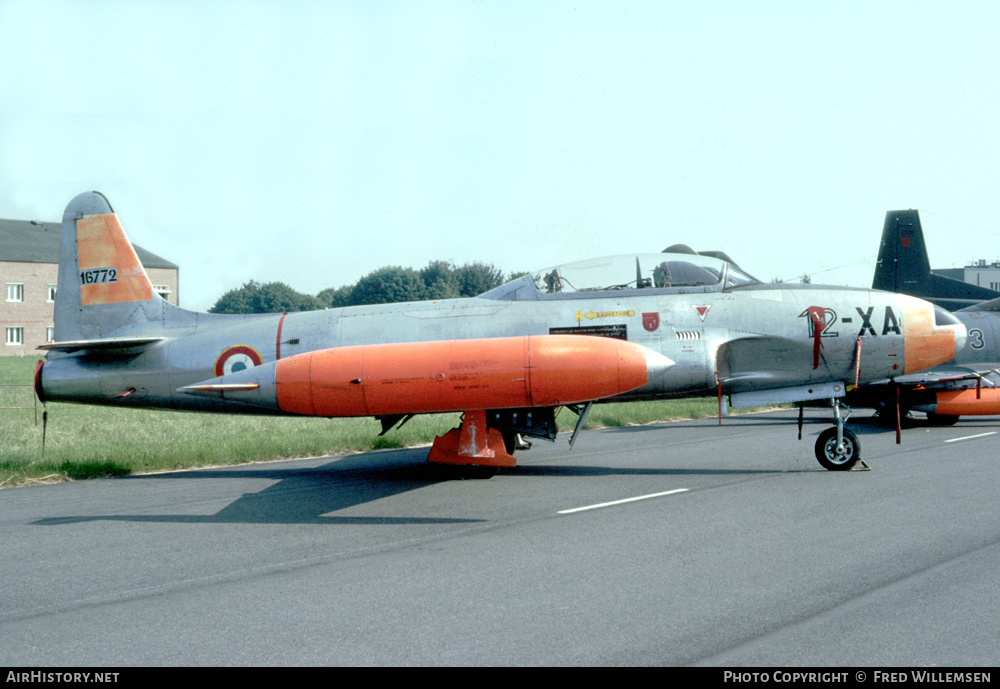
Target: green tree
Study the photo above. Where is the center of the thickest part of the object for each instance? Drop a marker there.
(389, 285)
(475, 278)
(332, 298)
(439, 280)
(272, 297)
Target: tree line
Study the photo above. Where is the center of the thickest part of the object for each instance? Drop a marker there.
(390, 284)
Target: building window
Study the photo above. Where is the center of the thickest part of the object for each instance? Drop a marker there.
(51, 294)
(50, 334)
(162, 290)
(15, 291)
(15, 336)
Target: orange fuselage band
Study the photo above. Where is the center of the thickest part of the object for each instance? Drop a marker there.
(924, 346)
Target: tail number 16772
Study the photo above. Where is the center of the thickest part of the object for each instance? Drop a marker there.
(96, 276)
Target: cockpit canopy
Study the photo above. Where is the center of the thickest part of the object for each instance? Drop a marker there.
(644, 271)
(676, 273)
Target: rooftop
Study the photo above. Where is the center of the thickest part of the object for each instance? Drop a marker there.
(29, 241)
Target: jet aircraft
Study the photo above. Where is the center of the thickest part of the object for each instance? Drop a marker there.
(966, 385)
(903, 267)
(634, 327)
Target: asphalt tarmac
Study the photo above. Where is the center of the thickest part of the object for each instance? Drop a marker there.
(674, 544)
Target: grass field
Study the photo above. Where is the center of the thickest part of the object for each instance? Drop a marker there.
(83, 441)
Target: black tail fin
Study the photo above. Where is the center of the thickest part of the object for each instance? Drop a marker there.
(903, 266)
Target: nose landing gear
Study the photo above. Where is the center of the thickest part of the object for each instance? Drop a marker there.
(838, 449)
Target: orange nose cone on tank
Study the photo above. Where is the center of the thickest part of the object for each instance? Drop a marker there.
(458, 375)
(931, 335)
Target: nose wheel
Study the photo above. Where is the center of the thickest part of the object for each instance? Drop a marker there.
(838, 454)
(837, 448)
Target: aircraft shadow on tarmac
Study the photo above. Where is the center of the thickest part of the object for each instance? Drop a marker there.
(302, 495)
(863, 422)
(310, 495)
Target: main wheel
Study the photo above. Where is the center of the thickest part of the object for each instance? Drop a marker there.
(509, 441)
(473, 472)
(835, 458)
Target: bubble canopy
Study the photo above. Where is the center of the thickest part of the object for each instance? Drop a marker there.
(667, 271)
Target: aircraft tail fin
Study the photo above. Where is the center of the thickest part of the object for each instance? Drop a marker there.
(903, 266)
(103, 290)
(902, 257)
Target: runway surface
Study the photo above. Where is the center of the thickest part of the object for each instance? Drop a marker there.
(699, 545)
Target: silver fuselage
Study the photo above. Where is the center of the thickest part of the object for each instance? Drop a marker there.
(751, 337)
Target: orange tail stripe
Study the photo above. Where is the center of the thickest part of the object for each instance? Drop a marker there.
(102, 247)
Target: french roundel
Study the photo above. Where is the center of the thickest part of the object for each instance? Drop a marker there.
(237, 358)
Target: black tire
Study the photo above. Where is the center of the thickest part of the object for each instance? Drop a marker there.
(509, 441)
(941, 419)
(828, 455)
(474, 472)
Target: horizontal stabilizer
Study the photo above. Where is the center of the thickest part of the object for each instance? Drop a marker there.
(218, 388)
(106, 345)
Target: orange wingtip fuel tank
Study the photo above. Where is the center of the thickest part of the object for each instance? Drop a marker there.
(443, 376)
(456, 375)
(965, 403)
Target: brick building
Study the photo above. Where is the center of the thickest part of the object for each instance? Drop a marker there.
(29, 270)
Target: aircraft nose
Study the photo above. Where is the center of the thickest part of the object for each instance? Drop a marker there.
(947, 319)
(931, 335)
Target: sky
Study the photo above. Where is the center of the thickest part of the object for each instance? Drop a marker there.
(314, 142)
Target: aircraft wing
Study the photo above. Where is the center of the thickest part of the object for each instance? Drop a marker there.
(945, 374)
(947, 392)
(991, 305)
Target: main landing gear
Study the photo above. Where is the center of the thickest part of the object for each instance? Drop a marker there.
(473, 450)
(837, 448)
(486, 440)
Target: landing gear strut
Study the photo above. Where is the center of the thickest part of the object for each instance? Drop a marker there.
(473, 450)
(838, 449)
